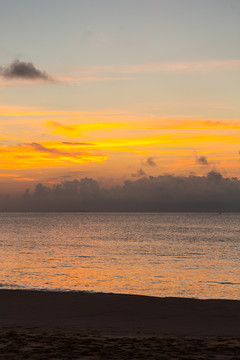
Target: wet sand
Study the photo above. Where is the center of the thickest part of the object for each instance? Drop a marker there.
(54, 325)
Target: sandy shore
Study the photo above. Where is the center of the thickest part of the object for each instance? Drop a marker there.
(53, 325)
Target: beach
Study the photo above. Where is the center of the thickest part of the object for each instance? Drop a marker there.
(78, 325)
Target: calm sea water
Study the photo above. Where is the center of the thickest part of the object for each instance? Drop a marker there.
(187, 255)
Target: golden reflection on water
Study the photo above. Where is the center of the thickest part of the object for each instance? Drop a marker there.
(189, 255)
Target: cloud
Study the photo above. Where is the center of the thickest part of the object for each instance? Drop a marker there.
(149, 162)
(202, 160)
(77, 143)
(165, 193)
(159, 67)
(184, 66)
(68, 130)
(10, 175)
(127, 72)
(23, 70)
(41, 148)
(46, 155)
(76, 130)
(89, 79)
(139, 173)
(64, 153)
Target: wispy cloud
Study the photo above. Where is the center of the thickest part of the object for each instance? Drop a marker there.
(49, 150)
(68, 130)
(9, 175)
(45, 155)
(27, 71)
(77, 143)
(75, 130)
(16, 177)
(207, 65)
(12, 110)
(88, 79)
(183, 66)
(25, 179)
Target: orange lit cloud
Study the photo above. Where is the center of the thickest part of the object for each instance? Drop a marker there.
(45, 155)
(116, 119)
(155, 134)
(25, 179)
(9, 175)
(193, 124)
(16, 177)
(76, 129)
(51, 141)
(170, 140)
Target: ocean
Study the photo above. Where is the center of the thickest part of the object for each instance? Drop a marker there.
(180, 255)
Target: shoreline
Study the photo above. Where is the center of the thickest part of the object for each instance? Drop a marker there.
(79, 325)
(93, 292)
(118, 314)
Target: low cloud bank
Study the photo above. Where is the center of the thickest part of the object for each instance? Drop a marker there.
(166, 193)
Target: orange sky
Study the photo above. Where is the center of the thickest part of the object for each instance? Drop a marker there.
(50, 146)
(96, 94)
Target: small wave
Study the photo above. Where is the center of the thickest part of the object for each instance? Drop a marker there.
(18, 287)
(220, 282)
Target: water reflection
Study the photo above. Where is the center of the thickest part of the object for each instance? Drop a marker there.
(152, 254)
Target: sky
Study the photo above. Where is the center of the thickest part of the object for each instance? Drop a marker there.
(118, 90)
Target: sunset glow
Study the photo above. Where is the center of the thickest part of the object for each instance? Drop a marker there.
(118, 95)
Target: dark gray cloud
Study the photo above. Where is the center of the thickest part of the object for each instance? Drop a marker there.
(139, 173)
(149, 162)
(23, 70)
(202, 160)
(166, 193)
(41, 148)
(77, 143)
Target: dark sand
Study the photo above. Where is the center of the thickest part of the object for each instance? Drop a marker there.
(53, 325)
